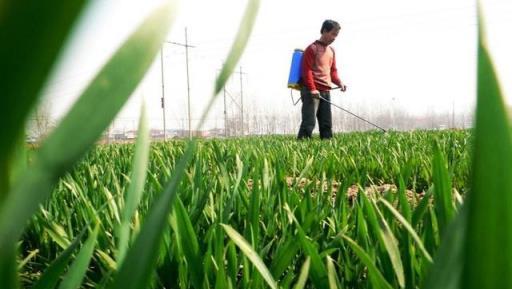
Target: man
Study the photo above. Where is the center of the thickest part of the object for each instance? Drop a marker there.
(318, 74)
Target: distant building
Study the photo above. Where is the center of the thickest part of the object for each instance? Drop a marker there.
(131, 134)
(119, 136)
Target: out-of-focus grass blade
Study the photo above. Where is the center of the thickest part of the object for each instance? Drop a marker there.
(8, 272)
(26, 63)
(73, 137)
(76, 273)
(137, 180)
(376, 278)
(26, 60)
(228, 67)
(409, 229)
(19, 161)
(488, 251)
(239, 44)
(135, 272)
(303, 277)
(248, 251)
(242, 37)
(53, 272)
(442, 190)
(448, 261)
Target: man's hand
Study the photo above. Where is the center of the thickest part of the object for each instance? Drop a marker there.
(342, 86)
(315, 94)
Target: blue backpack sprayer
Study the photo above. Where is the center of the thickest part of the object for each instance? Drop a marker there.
(294, 82)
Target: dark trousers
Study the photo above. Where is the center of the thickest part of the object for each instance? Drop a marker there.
(313, 109)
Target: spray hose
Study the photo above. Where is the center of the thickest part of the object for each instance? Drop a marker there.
(337, 106)
(347, 111)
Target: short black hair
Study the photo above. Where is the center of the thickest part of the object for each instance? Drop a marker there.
(329, 25)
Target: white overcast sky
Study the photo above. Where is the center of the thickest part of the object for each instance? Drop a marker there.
(402, 54)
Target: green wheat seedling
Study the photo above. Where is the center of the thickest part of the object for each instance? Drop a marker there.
(421, 209)
(21, 195)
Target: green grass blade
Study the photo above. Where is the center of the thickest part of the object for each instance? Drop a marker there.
(135, 57)
(442, 190)
(448, 261)
(244, 32)
(8, 272)
(241, 39)
(136, 188)
(386, 238)
(391, 244)
(53, 272)
(76, 273)
(284, 256)
(74, 136)
(331, 274)
(221, 278)
(19, 161)
(303, 277)
(488, 252)
(140, 260)
(26, 63)
(409, 229)
(189, 243)
(318, 270)
(248, 251)
(57, 234)
(405, 206)
(254, 215)
(376, 278)
(421, 209)
(27, 259)
(232, 266)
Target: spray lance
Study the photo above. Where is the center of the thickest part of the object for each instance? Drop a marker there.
(294, 83)
(349, 112)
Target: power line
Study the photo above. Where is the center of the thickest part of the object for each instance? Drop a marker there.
(242, 97)
(163, 88)
(232, 98)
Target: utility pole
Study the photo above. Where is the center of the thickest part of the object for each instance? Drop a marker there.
(186, 45)
(188, 87)
(242, 97)
(163, 89)
(453, 114)
(226, 93)
(225, 114)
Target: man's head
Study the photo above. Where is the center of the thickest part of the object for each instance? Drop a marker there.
(329, 31)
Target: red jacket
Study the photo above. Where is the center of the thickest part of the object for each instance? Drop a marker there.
(319, 67)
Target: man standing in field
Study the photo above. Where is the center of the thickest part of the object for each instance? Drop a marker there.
(318, 74)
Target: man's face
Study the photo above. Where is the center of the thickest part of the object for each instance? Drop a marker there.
(329, 36)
